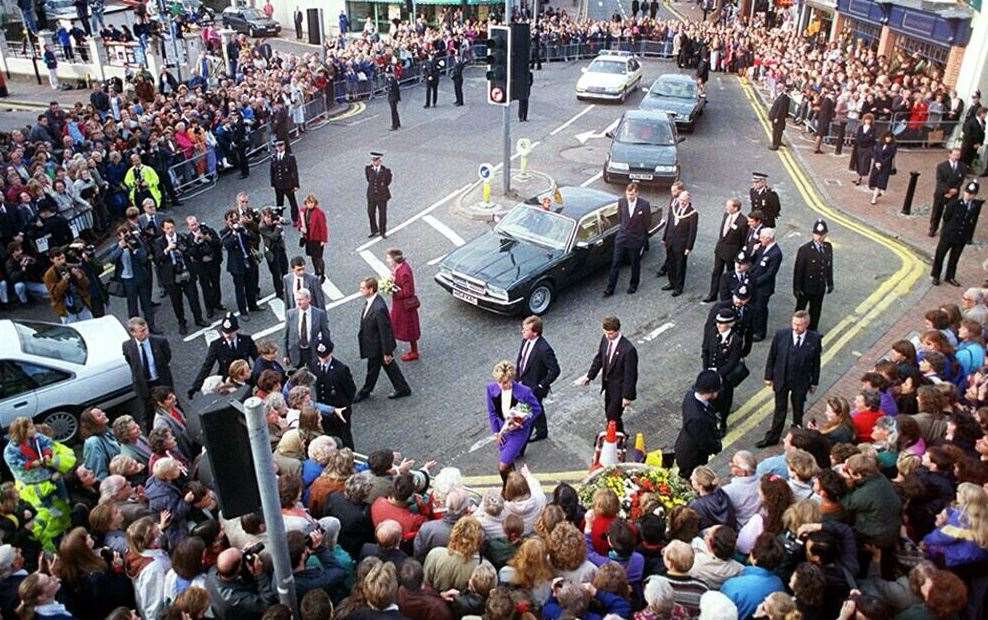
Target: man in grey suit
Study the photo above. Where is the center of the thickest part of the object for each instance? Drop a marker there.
(377, 344)
(305, 325)
(297, 279)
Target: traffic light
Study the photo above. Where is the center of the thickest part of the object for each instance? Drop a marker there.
(499, 65)
(521, 53)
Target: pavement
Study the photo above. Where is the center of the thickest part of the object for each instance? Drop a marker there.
(27, 99)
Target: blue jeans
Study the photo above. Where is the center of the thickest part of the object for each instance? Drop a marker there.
(96, 16)
(71, 317)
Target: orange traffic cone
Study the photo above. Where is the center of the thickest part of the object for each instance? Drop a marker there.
(607, 454)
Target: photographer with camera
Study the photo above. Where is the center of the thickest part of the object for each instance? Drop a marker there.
(328, 576)
(240, 263)
(171, 254)
(206, 254)
(132, 269)
(272, 229)
(239, 588)
(24, 273)
(85, 255)
(68, 288)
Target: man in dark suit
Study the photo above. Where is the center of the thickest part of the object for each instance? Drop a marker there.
(305, 326)
(634, 8)
(230, 346)
(721, 352)
(974, 136)
(617, 362)
(733, 230)
(430, 73)
(132, 267)
(635, 216)
(960, 218)
(240, 263)
(171, 251)
(149, 358)
(675, 189)
(334, 387)
(456, 74)
(778, 114)
(206, 253)
(756, 222)
(792, 370)
(284, 179)
(537, 369)
(738, 277)
(377, 344)
(764, 199)
(297, 279)
(394, 97)
(950, 178)
(378, 194)
(813, 273)
(824, 116)
(698, 438)
(679, 237)
(765, 266)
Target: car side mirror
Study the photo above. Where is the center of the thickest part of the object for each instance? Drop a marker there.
(609, 134)
(680, 139)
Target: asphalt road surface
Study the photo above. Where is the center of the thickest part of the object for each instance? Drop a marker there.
(434, 156)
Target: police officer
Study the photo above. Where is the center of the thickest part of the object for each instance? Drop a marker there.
(740, 304)
(334, 387)
(394, 96)
(730, 281)
(284, 178)
(230, 346)
(960, 218)
(456, 73)
(721, 352)
(430, 73)
(764, 199)
(378, 194)
(813, 274)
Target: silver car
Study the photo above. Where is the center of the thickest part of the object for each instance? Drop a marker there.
(51, 372)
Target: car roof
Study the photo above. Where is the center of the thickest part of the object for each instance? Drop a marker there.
(658, 116)
(612, 56)
(674, 77)
(577, 201)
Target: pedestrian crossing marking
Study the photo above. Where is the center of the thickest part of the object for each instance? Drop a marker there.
(332, 291)
(375, 263)
(445, 230)
(278, 307)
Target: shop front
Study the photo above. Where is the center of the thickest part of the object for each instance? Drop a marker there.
(817, 18)
(382, 12)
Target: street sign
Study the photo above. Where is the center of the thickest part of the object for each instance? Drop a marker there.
(524, 146)
(484, 171)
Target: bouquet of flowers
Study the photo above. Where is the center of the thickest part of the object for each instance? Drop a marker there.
(519, 413)
(387, 286)
(632, 481)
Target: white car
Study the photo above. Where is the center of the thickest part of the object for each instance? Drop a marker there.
(51, 372)
(611, 76)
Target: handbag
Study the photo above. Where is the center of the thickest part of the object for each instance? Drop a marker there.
(410, 303)
(738, 374)
(115, 288)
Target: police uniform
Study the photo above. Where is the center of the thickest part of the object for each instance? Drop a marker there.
(813, 273)
(394, 96)
(430, 71)
(378, 195)
(765, 200)
(730, 281)
(334, 387)
(740, 303)
(960, 218)
(722, 353)
(224, 350)
(456, 73)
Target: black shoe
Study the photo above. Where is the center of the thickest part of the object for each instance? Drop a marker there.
(384, 235)
(396, 395)
(953, 282)
(936, 281)
(632, 290)
(426, 106)
(766, 443)
(608, 292)
(183, 330)
(708, 299)
(668, 287)
(244, 317)
(677, 293)
(201, 323)
(773, 148)
(360, 396)
(535, 438)
(394, 129)
(757, 338)
(244, 176)
(163, 294)
(372, 235)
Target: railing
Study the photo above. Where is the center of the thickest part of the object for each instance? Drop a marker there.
(193, 176)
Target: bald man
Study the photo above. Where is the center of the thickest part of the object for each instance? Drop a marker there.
(233, 596)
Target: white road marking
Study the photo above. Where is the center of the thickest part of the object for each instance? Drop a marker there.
(268, 331)
(572, 119)
(331, 291)
(418, 215)
(278, 307)
(583, 137)
(437, 259)
(212, 326)
(445, 230)
(592, 179)
(655, 333)
(480, 443)
(375, 263)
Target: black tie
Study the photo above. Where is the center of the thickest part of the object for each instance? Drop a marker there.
(303, 339)
(144, 360)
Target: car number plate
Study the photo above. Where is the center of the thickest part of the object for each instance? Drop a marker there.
(638, 176)
(470, 299)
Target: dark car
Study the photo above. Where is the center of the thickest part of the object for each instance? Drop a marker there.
(677, 94)
(643, 148)
(250, 21)
(532, 254)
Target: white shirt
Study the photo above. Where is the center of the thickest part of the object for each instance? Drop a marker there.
(724, 336)
(526, 352)
(631, 206)
(611, 347)
(370, 300)
(299, 283)
(797, 339)
(506, 403)
(731, 218)
(307, 316)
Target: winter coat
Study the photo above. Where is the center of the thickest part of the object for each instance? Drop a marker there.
(955, 541)
(875, 509)
(715, 509)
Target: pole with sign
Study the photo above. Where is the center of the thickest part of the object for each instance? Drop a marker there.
(524, 147)
(485, 172)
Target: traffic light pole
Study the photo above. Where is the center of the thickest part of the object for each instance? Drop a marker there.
(506, 168)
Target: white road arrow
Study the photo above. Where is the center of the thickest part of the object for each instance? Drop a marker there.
(582, 138)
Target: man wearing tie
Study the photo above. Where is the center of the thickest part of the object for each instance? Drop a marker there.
(674, 190)
(679, 237)
(950, 178)
(305, 326)
(377, 344)
(756, 222)
(635, 222)
(334, 387)
(230, 346)
(766, 263)
(617, 362)
(733, 231)
(149, 358)
(537, 369)
(378, 195)
(284, 179)
(813, 273)
(960, 218)
(297, 279)
(171, 252)
(240, 263)
(792, 370)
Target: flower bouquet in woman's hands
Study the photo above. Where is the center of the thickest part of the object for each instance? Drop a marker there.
(517, 416)
(387, 286)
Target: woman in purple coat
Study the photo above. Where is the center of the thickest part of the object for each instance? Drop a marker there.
(507, 401)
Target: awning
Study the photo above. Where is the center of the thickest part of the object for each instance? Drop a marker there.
(947, 9)
(829, 6)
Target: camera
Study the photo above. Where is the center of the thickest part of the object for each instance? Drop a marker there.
(250, 555)
(132, 242)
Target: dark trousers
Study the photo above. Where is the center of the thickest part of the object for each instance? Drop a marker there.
(676, 268)
(279, 200)
(208, 275)
(242, 161)
(540, 427)
(943, 248)
(377, 214)
(298, 30)
(536, 62)
(759, 314)
(939, 202)
(723, 403)
(332, 425)
(315, 251)
(431, 92)
(395, 121)
(175, 292)
(815, 302)
(783, 395)
(719, 266)
(523, 109)
(245, 286)
(458, 90)
(613, 409)
(278, 266)
(139, 293)
(839, 129)
(394, 375)
(169, 187)
(634, 254)
(778, 127)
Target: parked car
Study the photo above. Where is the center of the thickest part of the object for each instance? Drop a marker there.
(643, 148)
(250, 21)
(677, 94)
(531, 254)
(611, 76)
(51, 372)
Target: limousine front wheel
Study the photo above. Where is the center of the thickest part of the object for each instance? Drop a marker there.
(540, 297)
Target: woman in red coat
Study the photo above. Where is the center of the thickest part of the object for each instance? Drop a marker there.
(404, 304)
(315, 234)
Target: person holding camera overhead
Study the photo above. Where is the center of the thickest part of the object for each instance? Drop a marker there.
(131, 268)
(68, 288)
(171, 253)
(241, 263)
(315, 234)
(271, 228)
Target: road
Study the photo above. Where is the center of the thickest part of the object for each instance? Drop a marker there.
(433, 157)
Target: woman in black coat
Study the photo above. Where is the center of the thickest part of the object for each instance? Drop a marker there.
(698, 437)
(882, 166)
(350, 507)
(864, 145)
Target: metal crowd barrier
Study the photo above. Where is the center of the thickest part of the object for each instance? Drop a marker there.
(194, 176)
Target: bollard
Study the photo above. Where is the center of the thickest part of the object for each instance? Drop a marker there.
(907, 204)
(487, 191)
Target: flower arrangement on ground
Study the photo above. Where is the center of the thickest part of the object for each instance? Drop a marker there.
(634, 482)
